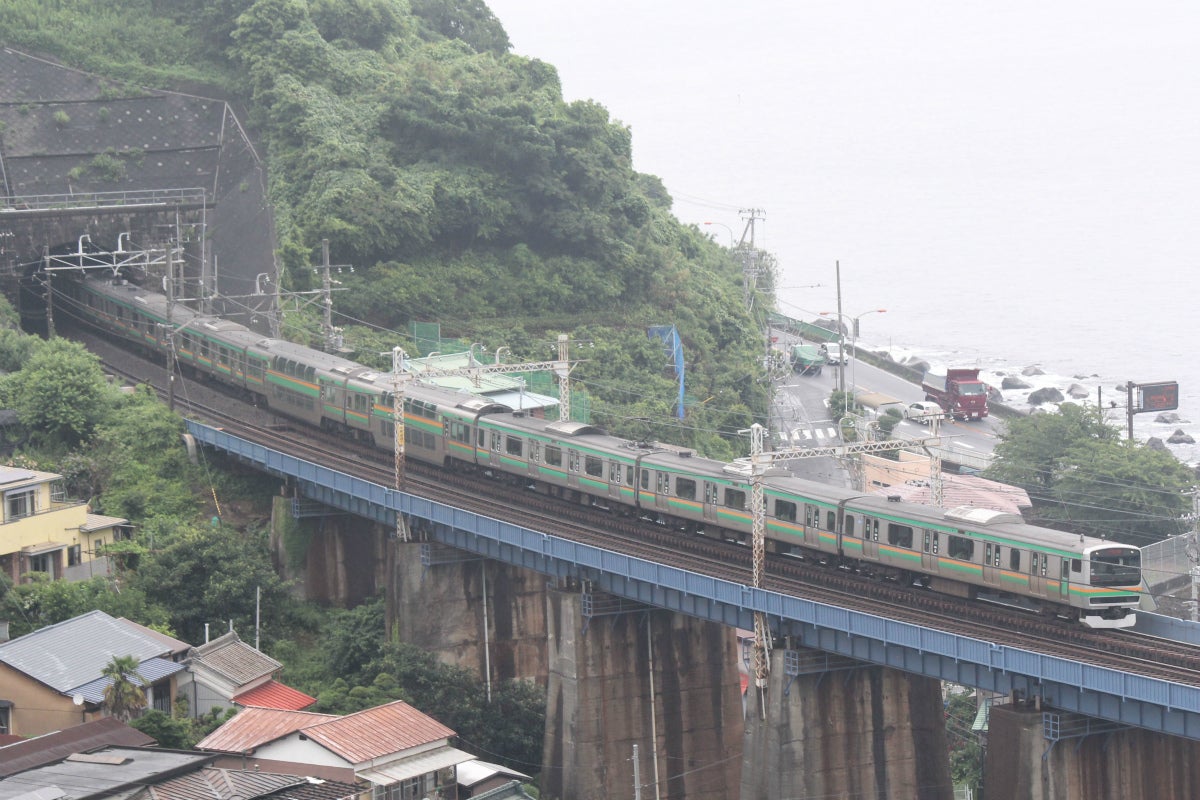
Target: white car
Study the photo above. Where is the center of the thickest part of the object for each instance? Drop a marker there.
(833, 353)
(922, 411)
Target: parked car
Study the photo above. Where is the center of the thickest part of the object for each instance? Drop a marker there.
(833, 353)
(922, 411)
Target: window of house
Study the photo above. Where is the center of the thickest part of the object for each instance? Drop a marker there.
(19, 504)
(74, 555)
(5, 722)
(41, 563)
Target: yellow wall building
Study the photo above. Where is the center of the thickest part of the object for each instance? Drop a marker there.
(42, 530)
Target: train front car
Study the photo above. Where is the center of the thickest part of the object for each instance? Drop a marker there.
(1109, 588)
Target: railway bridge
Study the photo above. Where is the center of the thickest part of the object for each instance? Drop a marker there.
(641, 662)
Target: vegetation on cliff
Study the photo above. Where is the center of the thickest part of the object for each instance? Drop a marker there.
(460, 184)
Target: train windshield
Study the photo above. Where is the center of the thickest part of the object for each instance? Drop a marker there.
(1116, 566)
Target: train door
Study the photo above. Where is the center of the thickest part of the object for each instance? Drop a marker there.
(711, 498)
(931, 548)
(1064, 577)
(991, 564)
(870, 538)
(662, 490)
(1038, 567)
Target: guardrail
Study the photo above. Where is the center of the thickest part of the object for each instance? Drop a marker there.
(142, 197)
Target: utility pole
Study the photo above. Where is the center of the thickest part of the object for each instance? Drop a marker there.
(749, 254)
(398, 356)
(49, 292)
(837, 265)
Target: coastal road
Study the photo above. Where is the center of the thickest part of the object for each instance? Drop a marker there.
(801, 418)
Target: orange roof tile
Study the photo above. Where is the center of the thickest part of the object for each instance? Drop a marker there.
(274, 694)
(378, 731)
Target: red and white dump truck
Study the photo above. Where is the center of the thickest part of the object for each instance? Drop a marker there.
(959, 392)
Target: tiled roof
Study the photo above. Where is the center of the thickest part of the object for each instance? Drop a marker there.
(234, 659)
(254, 727)
(378, 731)
(274, 694)
(106, 731)
(73, 652)
(212, 783)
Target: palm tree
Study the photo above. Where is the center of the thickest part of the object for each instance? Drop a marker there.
(124, 698)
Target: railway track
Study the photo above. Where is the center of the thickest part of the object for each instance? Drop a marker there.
(1120, 650)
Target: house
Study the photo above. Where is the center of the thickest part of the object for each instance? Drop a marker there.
(42, 530)
(51, 679)
(481, 779)
(41, 750)
(214, 783)
(108, 772)
(397, 751)
(228, 672)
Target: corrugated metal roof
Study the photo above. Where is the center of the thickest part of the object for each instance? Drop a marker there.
(476, 771)
(274, 694)
(378, 731)
(151, 670)
(173, 645)
(129, 766)
(95, 522)
(30, 753)
(234, 659)
(74, 652)
(254, 727)
(405, 768)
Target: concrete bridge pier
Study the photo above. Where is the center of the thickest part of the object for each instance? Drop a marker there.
(832, 727)
(623, 675)
(1036, 754)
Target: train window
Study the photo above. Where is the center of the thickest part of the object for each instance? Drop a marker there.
(1014, 558)
(496, 439)
(685, 488)
(848, 525)
(1033, 563)
(360, 402)
(900, 535)
(480, 438)
(830, 521)
(661, 485)
(735, 498)
(1065, 570)
(614, 473)
(961, 547)
(645, 484)
(873, 525)
(996, 557)
(459, 432)
(812, 516)
(512, 445)
(926, 545)
(1045, 564)
(1076, 565)
(573, 461)
(535, 451)
(937, 541)
(553, 455)
(785, 511)
(593, 466)
(710, 493)
(629, 474)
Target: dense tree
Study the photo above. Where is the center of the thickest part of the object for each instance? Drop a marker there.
(1080, 475)
(39, 602)
(60, 392)
(212, 574)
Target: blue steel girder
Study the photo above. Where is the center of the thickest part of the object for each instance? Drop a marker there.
(1064, 684)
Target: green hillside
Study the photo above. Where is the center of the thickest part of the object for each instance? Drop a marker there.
(456, 180)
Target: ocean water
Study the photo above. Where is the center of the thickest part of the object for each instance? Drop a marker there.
(1018, 184)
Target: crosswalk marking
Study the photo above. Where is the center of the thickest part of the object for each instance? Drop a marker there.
(808, 434)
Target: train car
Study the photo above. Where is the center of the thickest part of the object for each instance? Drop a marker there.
(972, 553)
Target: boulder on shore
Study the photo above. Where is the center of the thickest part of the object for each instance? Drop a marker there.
(1179, 437)
(1077, 391)
(1046, 394)
(1169, 418)
(1155, 443)
(1013, 382)
(1028, 371)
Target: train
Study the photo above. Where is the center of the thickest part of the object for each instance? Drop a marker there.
(971, 553)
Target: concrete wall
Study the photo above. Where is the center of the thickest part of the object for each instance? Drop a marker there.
(857, 731)
(1122, 764)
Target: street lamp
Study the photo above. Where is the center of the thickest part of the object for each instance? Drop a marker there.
(727, 228)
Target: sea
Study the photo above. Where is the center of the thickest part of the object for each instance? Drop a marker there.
(1016, 184)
